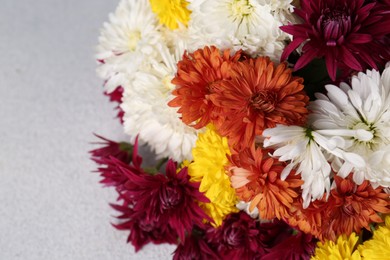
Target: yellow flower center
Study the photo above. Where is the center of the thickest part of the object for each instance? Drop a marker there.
(240, 9)
(171, 12)
(134, 38)
(168, 84)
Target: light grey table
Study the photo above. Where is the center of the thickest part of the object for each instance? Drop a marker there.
(51, 205)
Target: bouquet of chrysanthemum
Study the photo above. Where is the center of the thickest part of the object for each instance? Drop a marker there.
(272, 119)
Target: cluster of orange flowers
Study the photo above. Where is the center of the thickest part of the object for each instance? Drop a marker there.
(242, 96)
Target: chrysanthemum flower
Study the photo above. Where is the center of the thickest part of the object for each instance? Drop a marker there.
(195, 246)
(283, 242)
(171, 13)
(123, 152)
(126, 42)
(274, 231)
(169, 199)
(309, 220)
(197, 73)
(147, 114)
(297, 146)
(259, 95)
(248, 25)
(237, 238)
(282, 11)
(256, 178)
(344, 248)
(378, 247)
(349, 208)
(359, 117)
(295, 246)
(349, 34)
(158, 200)
(143, 230)
(208, 168)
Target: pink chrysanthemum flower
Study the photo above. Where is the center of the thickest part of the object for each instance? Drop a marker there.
(349, 34)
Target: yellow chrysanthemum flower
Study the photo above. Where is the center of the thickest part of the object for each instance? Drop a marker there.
(171, 12)
(378, 247)
(208, 168)
(343, 249)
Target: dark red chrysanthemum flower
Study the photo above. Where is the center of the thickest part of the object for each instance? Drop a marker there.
(142, 229)
(102, 156)
(296, 246)
(237, 238)
(349, 34)
(122, 151)
(169, 199)
(116, 96)
(273, 232)
(197, 73)
(195, 247)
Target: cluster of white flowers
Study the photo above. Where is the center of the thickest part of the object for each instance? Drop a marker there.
(348, 132)
(140, 55)
(250, 25)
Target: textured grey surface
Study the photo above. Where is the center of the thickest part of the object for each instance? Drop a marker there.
(51, 205)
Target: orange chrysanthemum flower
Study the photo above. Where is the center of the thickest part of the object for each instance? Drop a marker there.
(308, 220)
(197, 74)
(259, 95)
(256, 177)
(349, 208)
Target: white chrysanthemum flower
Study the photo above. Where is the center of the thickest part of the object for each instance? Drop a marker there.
(236, 24)
(147, 113)
(297, 146)
(126, 42)
(359, 115)
(282, 10)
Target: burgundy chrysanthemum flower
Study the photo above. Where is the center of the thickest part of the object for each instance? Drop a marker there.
(283, 242)
(142, 229)
(169, 199)
(237, 238)
(274, 232)
(349, 34)
(195, 247)
(116, 96)
(122, 151)
(102, 156)
(298, 246)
